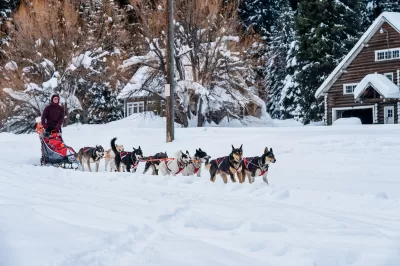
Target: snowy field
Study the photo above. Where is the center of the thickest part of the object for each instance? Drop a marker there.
(333, 200)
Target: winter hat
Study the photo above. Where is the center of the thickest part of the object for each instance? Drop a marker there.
(55, 95)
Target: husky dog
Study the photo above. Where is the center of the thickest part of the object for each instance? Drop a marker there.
(195, 166)
(90, 155)
(109, 158)
(128, 159)
(174, 167)
(228, 165)
(153, 161)
(258, 165)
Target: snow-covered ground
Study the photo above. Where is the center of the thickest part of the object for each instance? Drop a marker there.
(333, 200)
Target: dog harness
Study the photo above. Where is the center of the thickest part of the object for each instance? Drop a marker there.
(249, 165)
(223, 164)
(93, 152)
(180, 167)
(123, 154)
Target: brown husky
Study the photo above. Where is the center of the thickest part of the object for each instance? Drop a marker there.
(228, 165)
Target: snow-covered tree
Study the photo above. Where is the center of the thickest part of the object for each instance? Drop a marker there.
(259, 15)
(210, 58)
(278, 54)
(325, 31)
(371, 9)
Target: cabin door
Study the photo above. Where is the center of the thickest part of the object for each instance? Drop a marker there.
(388, 115)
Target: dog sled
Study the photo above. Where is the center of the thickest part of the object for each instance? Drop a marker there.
(54, 150)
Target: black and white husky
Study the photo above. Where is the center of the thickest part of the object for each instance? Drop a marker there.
(128, 160)
(174, 167)
(195, 166)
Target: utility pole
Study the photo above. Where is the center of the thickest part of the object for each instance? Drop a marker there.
(170, 86)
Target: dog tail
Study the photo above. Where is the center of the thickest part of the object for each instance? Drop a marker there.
(113, 147)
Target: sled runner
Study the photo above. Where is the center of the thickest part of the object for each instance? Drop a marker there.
(54, 150)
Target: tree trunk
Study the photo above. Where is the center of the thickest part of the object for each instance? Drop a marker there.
(200, 115)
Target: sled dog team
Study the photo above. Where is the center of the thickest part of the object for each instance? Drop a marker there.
(231, 165)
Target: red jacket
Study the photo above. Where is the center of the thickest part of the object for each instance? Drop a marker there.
(53, 114)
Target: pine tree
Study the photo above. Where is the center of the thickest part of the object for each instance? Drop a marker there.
(326, 30)
(259, 14)
(371, 9)
(276, 71)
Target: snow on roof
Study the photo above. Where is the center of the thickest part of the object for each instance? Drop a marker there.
(380, 83)
(134, 86)
(392, 18)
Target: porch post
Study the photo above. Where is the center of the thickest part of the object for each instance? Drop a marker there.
(398, 78)
(398, 112)
(376, 114)
(124, 107)
(326, 109)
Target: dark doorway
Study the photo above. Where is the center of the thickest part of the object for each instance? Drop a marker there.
(365, 115)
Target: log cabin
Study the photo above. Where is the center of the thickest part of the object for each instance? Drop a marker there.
(365, 84)
(137, 94)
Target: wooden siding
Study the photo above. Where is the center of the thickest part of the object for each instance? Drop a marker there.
(363, 65)
(154, 103)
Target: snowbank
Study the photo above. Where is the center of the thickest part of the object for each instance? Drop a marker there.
(350, 121)
(312, 213)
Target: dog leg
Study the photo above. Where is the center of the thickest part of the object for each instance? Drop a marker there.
(81, 162)
(265, 178)
(248, 174)
(213, 178)
(105, 164)
(199, 172)
(232, 175)
(239, 175)
(88, 164)
(225, 178)
(97, 166)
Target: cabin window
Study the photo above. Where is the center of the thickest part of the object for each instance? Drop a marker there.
(349, 88)
(389, 76)
(387, 54)
(135, 107)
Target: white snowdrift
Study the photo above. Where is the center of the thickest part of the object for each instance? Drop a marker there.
(347, 121)
(331, 201)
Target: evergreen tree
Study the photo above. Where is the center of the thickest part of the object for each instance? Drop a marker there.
(103, 106)
(7, 6)
(371, 9)
(259, 14)
(276, 71)
(326, 30)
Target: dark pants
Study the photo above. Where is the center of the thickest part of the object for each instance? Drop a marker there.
(48, 130)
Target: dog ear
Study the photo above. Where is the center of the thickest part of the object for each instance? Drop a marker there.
(134, 148)
(200, 149)
(271, 150)
(197, 150)
(266, 150)
(233, 147)
(139, 148)
(187, 152)
(241, 147)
